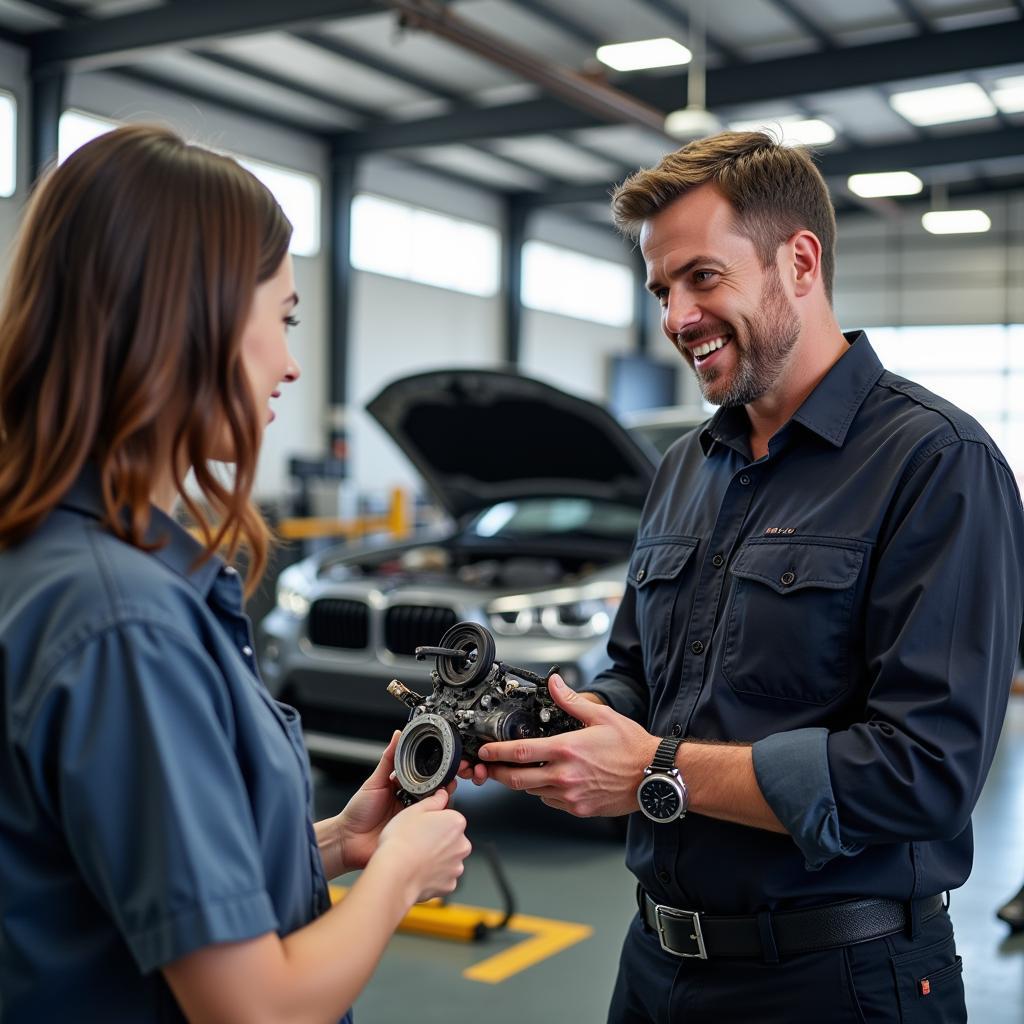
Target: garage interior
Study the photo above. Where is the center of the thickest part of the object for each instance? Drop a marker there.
(491, 128)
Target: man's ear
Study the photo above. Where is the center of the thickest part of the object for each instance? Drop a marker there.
(804, 251)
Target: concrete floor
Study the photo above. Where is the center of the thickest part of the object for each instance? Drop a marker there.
(570, 870)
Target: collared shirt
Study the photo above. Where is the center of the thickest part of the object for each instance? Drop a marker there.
(850, 605)
(154, 798)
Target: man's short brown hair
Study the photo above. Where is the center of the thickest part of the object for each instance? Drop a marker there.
(775, 191)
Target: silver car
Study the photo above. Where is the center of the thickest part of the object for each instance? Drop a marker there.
(544, 491)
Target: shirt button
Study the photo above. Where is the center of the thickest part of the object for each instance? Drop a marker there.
(786, 578)
(664, 877)
(230, 570)
(744, 479)
(247, 651)
(640, 574)
(718, 561)
(697, 647)
(677, 729)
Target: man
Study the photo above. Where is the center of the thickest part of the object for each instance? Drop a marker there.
(812, 659)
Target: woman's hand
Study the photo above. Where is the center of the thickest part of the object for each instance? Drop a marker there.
(369, 810)
(427, 844)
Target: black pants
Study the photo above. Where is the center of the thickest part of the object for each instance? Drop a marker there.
(886, 981)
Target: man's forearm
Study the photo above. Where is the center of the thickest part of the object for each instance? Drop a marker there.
(721, 783)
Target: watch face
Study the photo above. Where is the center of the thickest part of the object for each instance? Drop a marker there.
(659, 799)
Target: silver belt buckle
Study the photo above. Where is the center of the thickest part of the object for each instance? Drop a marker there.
(692, 918)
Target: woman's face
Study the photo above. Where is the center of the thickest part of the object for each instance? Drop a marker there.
(265, 354)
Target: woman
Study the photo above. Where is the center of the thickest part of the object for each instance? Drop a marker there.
(157, 856)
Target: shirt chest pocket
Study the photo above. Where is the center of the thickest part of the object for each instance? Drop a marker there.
(791, 618)
(659, 572)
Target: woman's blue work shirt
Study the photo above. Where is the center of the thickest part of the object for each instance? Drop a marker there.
(154, 798)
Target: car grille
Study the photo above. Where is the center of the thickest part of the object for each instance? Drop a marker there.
(337, 623)
(408, 626)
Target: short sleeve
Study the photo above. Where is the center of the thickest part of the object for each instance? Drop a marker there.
(134, 740)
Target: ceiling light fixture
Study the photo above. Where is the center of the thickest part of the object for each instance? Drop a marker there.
(944, 104)
(644, 53)
(1008, 94)
(885, 183)
(694, 121)
(955, 222)
(791, 130)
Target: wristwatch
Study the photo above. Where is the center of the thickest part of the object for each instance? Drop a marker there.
(662, 793)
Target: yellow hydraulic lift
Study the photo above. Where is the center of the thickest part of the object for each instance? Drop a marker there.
(397, 521)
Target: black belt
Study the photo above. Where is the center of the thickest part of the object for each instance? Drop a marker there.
(688, 933)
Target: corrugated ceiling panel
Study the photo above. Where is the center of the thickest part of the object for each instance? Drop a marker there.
(188, 70)
(321, 70)
(557, 158)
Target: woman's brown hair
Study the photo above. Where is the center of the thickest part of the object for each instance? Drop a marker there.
(130, 286)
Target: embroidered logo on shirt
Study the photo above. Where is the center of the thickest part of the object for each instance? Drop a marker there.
(774, 530)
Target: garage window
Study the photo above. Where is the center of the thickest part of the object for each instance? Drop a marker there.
(978, 367)
(76, 128)
(299, 196)
(557, 280)
(399, 240)
(8, 147)
(298, 193)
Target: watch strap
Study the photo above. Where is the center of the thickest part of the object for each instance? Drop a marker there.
(665, 755)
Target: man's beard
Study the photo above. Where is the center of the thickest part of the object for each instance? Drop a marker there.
(768, 339)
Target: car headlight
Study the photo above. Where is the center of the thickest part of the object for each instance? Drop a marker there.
(569, 613)
(291, 597)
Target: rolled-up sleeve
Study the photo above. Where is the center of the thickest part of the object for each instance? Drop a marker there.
(150, 793)
(792, 772)
(942, 624)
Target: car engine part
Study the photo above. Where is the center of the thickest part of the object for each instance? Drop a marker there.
(476, 700)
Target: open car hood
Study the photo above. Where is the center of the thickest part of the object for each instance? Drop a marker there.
(483, 436)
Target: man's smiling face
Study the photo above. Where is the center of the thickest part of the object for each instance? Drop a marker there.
(728, 316)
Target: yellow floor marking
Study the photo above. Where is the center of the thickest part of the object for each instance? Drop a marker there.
(549, 937)
(546, 937)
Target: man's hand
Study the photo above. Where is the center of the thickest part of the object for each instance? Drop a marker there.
(592, 771)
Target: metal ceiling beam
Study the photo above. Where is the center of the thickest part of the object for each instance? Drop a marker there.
(392, 68)
(570, 26)
(200, 95)
(107, 41)
(8, 35)
(920, 154)
(681, 21)
(913, 15)
(397, 71)
(806, 22)
(925, 153)
(783, 78)
(358, 55)
(261, 73)
(586, 94)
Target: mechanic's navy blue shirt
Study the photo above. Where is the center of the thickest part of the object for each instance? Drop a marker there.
(850, 604)
(154, 798)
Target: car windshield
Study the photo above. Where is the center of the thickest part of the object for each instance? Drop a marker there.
(546, 517)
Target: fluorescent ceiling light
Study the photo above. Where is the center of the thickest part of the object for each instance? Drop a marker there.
(947, 103)
(886, 183)
(644, 53)
(955, 222)
(791, 130)
(1009, 95)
